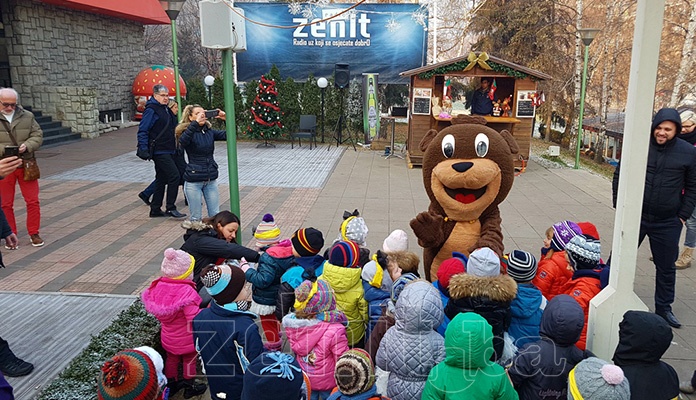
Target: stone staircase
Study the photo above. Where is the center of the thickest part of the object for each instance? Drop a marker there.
(54, 133)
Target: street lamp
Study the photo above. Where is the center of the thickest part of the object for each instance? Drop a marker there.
(172, 8)
(209, 81)
(322, 83)
(587, 35)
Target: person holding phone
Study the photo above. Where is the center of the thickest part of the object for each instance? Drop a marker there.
(19, 128)
(200, 176)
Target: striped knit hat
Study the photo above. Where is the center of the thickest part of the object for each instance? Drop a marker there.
(344, 254)
(224, 283)
(562, 233)
(522, 266)
(130, 374)
(267, 232)
(354, 372)
(584, 252)
(307, 241)
(317, 299)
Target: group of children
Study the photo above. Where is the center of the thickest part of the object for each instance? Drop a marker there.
(488, 328)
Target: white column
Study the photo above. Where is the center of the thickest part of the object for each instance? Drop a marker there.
(608, 307)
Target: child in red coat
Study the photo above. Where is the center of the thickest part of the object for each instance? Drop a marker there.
(552, 271)
(174, 301)
(583, 254)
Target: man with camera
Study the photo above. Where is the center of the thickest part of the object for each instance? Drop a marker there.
(156, 142)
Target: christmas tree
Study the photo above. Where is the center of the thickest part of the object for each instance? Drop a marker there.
(265, 112)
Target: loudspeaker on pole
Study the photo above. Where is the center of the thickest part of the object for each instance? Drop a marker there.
(341, 75)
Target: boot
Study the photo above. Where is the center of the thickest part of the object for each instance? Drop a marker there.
(684, 260)
(174, 386)
(193, 388)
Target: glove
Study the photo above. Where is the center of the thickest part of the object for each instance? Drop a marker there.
(143, 153)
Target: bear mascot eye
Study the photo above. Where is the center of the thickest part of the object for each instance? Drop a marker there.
(448, 146)
(481, 144)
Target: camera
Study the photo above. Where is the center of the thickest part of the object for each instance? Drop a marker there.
(11, 151)
(211, 113)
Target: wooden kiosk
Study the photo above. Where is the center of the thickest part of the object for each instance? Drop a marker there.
(511, 79)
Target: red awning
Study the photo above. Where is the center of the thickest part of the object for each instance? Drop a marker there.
(147, 12)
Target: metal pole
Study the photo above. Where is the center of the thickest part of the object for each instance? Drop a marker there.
(322, 114)
(176, 70)
(231, 128)
(210, 97)
(582, 110)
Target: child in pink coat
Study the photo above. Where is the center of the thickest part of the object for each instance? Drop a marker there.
(173, 300)
(317, 334)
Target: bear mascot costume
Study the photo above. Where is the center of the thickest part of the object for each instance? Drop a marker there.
(467, 171)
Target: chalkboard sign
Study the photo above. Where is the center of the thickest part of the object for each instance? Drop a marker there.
(525, 104)
(421, 105)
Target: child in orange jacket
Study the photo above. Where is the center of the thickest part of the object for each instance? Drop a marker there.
(553, 272)
(583, 253)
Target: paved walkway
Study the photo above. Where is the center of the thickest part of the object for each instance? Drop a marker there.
(99, 238)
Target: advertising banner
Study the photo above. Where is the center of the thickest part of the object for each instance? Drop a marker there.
(377, 38)
(370, 107)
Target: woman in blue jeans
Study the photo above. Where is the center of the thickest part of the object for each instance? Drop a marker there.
(688, 133)
(200, 177)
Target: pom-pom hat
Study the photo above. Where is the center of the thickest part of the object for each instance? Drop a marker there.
(129, 375)
(344, 254)
(267, 232)
(449, 268)
(177, 264)
(596, 379)
(521, 266)
(223, 283)
(317, 299)
(307, 241)
(354, 372)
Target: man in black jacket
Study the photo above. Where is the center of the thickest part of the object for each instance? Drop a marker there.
(668, 201)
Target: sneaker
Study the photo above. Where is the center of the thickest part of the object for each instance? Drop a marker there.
(685, 387)
(193, 388)
(36, 240)
(8, 247)
(16, 367)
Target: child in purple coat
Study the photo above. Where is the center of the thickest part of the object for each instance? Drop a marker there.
(173, 300)
(317, 334)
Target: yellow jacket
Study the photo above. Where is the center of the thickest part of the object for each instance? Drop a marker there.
(350, 299)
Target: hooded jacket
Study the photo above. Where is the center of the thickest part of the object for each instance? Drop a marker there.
(227, 342)
(585, 285)
(202, 242)
(552, 274)
(444, 297)
(670, 180)
(489, 297)
(266, 277)
(317, 345)
(467, 372)
(411, 348)
(526, 310)
(157, 125)
(199, 143)
(540, 369)
(174, 302)
(307, 268)
(350, 298)
(376, 299)
(643, 339)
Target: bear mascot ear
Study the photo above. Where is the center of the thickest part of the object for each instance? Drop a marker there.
(514, 148)
(427, 139)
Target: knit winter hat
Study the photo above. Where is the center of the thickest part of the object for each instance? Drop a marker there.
(317, 298)
(562, 233)
(584, 252)
(307, 241)
(448, 269)
(483, 262)
(157, 361)
(353, 228)
(354, 372)
(267, 232)
(596, 379)
(376, 275)
(177, 264)
(588, 228)
(344, 254)
(272, 376)
(399, 285)
(224, 283)
(521, 266)
(396, 241)
(130, 374)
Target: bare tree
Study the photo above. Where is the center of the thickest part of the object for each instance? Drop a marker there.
(686, 64)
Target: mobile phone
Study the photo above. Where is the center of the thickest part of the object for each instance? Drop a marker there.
(211, 113)
(11, 151)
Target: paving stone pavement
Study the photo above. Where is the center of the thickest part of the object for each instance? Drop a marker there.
(99, 238)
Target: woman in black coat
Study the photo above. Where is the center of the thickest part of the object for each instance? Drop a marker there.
(212, 239)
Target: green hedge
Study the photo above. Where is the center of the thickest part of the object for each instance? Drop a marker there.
(133, 327)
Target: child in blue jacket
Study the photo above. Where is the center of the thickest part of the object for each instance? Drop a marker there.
(377, 285)
(529, 304)
(448, 268)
